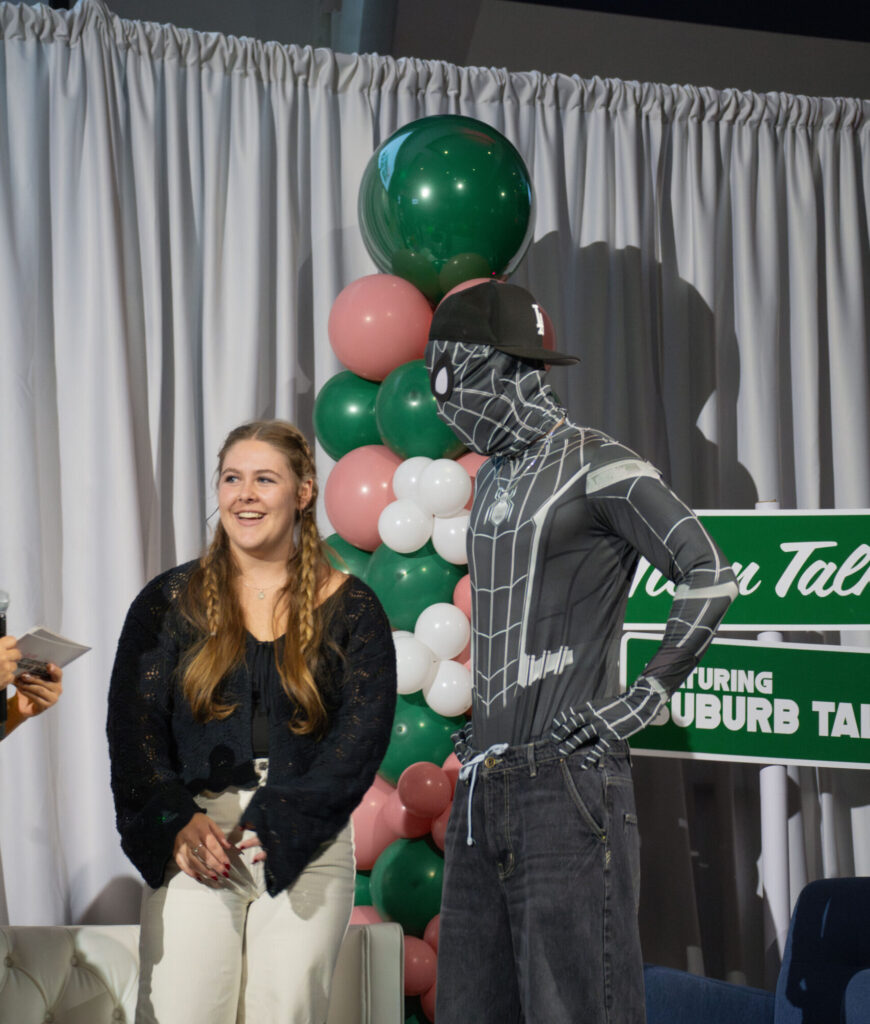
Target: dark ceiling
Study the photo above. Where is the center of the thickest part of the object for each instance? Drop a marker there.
(832, 19)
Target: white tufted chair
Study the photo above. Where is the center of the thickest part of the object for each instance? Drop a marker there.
(88, 975)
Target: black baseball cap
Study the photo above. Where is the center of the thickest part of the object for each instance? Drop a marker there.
(502, 315)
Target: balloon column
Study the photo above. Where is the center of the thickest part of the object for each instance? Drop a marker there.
(444, 202)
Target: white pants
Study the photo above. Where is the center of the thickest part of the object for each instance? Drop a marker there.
(233, 954)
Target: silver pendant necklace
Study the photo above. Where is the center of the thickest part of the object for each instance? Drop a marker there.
(261, 591)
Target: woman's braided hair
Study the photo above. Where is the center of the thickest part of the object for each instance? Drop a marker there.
(210, 603)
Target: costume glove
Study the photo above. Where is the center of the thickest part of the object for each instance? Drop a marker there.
(601, 724)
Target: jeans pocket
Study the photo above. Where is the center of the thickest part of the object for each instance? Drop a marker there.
(588, 779)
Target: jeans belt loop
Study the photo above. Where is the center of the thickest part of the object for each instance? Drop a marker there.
(469, 770)
(533, 767)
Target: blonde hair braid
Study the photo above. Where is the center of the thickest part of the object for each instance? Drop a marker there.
(309, 543)
(211, 592)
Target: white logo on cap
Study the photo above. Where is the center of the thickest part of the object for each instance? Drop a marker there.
(539, 318)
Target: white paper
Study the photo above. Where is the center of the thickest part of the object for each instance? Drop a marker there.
(39, 646)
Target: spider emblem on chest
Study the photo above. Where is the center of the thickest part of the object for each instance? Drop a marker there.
(500, 509)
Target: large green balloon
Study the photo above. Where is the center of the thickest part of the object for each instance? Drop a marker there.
(419, 734)
(407, 417)
(344, 414)
(406, 883)
(349, 558)
(446, 195)
(406, 584)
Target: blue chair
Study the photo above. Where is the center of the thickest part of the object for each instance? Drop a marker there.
(824, 977)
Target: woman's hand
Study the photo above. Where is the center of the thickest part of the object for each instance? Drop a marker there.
(33, 695)
(9, 658)
(200, 849)
(249, 843)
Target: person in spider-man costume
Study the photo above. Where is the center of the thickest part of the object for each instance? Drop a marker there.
(539, 911)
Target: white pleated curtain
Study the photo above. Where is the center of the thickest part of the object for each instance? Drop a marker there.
(177, 215)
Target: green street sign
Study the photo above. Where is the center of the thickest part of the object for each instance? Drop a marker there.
(795, 571)
(770, 703)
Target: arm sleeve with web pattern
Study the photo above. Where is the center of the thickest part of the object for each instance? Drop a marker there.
(151, 801)
(631, 501)
(292, 821)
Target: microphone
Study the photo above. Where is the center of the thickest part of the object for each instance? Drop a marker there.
(4, 604)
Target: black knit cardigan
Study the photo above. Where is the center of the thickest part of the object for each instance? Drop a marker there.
(161, 757)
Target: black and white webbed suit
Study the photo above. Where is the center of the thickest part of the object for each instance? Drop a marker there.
(561, 514)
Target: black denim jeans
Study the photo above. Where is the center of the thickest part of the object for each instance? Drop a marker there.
(539, 915)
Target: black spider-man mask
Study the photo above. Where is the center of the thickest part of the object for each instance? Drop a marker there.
(494, 403)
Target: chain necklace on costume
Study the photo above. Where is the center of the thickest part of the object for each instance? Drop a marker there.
(503, 503)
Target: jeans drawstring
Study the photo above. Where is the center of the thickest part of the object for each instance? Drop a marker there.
(470, 769)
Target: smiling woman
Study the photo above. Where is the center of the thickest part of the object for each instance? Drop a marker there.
(261, 682)
(260, 499)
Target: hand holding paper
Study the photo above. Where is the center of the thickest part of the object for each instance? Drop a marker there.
(40, 646)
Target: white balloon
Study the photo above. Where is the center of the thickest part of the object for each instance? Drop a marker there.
(449, 693)
(444, 487)
(444, 629)
(404, 526)
(415, 664)
(406, 478)
(448, 537)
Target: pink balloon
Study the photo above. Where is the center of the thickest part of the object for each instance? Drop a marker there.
(432, 931)
(365, 915)
(451, 767)
(438, 828)
(420, 966)
(377, 323)
(462, 595)
(358, 489)
(427, 1003)
(401, 821)
(371, 834)
(424, 789)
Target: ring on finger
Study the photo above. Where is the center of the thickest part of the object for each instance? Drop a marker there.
(196, 850)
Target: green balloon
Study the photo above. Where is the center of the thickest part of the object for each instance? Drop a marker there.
(419, 734)
(406, 883)
(420, 270)
(441, 189)
(406, 584)
(461, 268)
(344, 414)
(362, 889)
(407, 417)
(347, 558)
